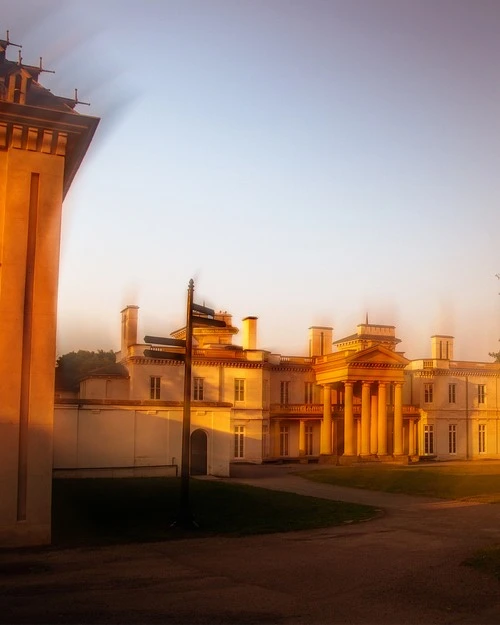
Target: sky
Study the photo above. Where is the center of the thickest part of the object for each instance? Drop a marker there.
(304, 161)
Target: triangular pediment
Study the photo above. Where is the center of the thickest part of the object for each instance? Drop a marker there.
(377, 355)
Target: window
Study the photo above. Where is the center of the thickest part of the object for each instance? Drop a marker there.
(198, 389)
(309, 440)
(452, 439)
(452, 393)
(283, 440)
(481, 393)
(154, 389)
(308, 393)
(428, 439)
(265, 440)
(239, 441)
(428, 393)
(284, 386)
(482, 439)
(17, 88)
(265, 393)
(239, 390)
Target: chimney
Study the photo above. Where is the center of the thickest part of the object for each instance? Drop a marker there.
(250, 333)
(441, 347)
(129, 327)
(320, 340)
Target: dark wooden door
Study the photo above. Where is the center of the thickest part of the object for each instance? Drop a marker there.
(198, 453)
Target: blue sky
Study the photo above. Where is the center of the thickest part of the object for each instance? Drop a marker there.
(304, 161)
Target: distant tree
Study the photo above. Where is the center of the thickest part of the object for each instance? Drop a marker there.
(495, 356)
(73, 366)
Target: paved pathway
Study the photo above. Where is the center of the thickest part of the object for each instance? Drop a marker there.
(404, 567)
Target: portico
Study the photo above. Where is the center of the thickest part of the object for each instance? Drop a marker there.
(364, 384)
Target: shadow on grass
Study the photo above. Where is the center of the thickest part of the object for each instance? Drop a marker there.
(486, 560)
(108, 511)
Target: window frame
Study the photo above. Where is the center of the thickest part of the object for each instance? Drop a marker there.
(481, 438)
(198, 389)
(308, 392)
(428, 439)
(239, 389)
(452, 439)
(239, 442)
(284, 393)
(428, 392)
(309, 440)
(284, 441)
(154, 387)
(481, 393)
(452, 393)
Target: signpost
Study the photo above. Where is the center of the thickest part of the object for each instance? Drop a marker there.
(196, 315)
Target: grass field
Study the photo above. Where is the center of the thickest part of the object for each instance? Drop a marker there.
(474, 481)
(104, 511)
(462, 481)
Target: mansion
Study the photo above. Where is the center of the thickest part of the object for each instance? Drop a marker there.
(352, 399)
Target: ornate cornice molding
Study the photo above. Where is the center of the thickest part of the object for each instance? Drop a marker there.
(144, 403)
(141, 360)
(47, 131)
(33, 138)
(432, 373)
(376, 365)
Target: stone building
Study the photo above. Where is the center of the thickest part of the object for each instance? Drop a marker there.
(42, 143)
(458, 404)
(356, 398)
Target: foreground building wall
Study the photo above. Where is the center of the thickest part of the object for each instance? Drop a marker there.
(98, 436)
(42, 142)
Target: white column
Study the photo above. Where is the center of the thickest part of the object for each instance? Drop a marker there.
(348, 420)
(373, 424)
(411, 437)
(365, 419)
(382, 419)
(398, 419)
(302, 437)
(326, 424)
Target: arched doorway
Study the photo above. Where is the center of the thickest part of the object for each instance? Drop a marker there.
(198, 453)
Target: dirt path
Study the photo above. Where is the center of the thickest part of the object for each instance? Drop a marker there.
(404, 567)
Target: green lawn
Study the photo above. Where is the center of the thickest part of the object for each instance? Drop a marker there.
(105, 511)
(462, 481)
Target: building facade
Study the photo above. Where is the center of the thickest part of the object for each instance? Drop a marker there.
(42, 143)
(458, 404)
(350, 400)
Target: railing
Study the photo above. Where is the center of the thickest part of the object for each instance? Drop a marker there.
(214, 352)
(337, 410)
(411, 410)
(317, 409)
(296, 360)
(297, 408)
